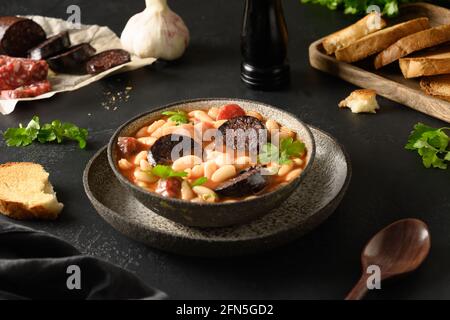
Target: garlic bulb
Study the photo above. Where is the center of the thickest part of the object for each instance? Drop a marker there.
(156, 32)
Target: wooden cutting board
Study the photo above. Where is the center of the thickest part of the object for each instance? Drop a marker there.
(388, 81)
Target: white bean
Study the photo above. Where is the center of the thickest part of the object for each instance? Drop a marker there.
(205, 193)
(255, 114)
(142, 132)
(197, 171)
(242, 162)
(148, 141)
(202, 116)
(169, 124)
(144, 165)
(144, 176)
(124, 164)
(209, 168)
(213, 112)
(298, 161)
(142, 184)
(293, 174)
(285, 168)
(186, 191)
(218, 123)
(140, 156)
(155, 125)
(186, 162)
(157, 133)
(223, 159)
(224, 173)
(286, 133)
(272, 126)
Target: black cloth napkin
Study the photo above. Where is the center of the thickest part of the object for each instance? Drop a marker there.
(34, 265)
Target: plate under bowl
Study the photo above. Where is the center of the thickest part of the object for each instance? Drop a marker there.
(319, 195)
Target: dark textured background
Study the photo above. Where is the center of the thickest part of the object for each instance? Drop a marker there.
(389, 183)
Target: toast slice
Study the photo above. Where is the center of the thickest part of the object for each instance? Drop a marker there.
(26, 193)
(380, 40)
(437, 86)
(342, 38)
(412, 43)
(431, 62)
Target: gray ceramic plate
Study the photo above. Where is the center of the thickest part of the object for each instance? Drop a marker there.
(319, 194)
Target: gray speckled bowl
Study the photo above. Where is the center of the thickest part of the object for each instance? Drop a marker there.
(319, 195)
(213, 214)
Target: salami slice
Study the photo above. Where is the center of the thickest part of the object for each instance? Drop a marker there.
(106, 60)
(72, 61)
(32, 90)
(17, 72)
(50, 47)
(18, 35)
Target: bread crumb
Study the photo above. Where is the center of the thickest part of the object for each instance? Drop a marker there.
(362, 100)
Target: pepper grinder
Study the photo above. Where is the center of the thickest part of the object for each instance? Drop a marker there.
(264, 45)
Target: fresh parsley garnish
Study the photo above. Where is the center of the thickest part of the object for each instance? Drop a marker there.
(55, 131)
(165, 172)
(199, 181)
(178, 116)
(389, 7)
(431, 144)
(288, 148)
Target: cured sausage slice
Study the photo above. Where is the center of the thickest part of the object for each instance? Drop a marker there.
(106, 60)
(18, 35)
(243, 132)
(17, 72)
(161, 151)
(248, 182)
(50, 47)
(72, 61)
(32, 90)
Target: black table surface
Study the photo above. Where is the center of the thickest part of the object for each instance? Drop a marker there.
(389, 183)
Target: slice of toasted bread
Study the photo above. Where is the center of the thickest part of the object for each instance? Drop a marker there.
(430, 62)
(26, 193)
(437, 86)
(362, 100)
(380, 40)
(342, 38)
(412, 43)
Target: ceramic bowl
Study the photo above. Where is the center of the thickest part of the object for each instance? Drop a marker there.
(213, 214)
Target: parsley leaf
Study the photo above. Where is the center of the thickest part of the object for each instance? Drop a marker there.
(288, 148)
(431, 144)
(388, 7)
(199, 181)
(178, 116)
(49, 132)
(165, 172)
(269, 152)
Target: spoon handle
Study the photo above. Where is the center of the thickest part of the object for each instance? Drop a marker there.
(359, 290)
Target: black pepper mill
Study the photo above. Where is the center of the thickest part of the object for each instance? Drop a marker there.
(264, 45)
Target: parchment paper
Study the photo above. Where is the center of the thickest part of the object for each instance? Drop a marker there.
(101, 38)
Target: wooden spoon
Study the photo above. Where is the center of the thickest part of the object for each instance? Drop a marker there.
(397, 249)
